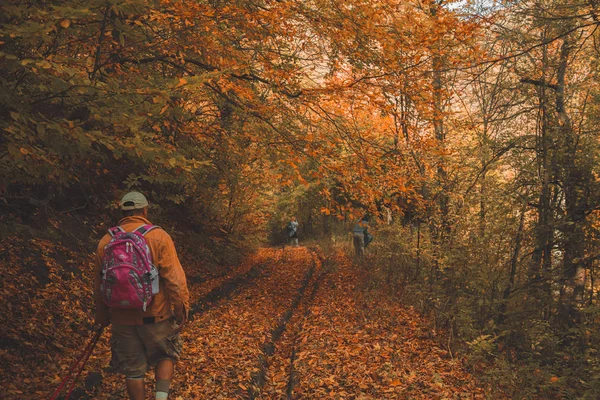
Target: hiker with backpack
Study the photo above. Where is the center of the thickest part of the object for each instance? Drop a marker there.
(361, 236)
(293, 231)
(140, 288)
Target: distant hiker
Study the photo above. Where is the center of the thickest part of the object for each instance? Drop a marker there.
(141, 289)
(361, 236)
(292, 229)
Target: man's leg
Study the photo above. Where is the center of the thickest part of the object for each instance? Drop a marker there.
(357, 252)
(362, 247)
(359, 247)
(163, 346)
(129, 358)
(135, 387)
(164, 373)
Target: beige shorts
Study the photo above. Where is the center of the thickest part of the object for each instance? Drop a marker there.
(137, 348)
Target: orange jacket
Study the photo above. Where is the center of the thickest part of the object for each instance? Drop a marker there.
(173, 291)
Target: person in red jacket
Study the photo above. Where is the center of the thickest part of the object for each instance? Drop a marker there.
(145, 339)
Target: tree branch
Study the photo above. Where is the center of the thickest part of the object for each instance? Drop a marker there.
(538, 82)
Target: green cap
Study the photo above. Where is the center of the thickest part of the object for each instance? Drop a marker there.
(133, 201)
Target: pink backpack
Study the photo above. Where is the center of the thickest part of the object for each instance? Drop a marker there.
(129, 279)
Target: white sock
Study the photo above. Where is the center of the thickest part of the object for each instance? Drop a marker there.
(162, 389)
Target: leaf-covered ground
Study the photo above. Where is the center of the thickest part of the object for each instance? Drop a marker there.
(285, 324)
(354, 343)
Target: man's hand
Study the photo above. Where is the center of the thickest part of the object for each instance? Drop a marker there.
(181, 315)
(101, 321)
(181, 319)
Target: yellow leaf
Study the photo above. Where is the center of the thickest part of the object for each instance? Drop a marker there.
(182, 82)
(43, 64)
(65, 23)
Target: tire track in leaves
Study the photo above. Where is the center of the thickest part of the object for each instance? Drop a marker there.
(268, 348)
(224, 290)
(293, 378)
(206, 292)
(357, 342)
(281, 374)
(224, 344)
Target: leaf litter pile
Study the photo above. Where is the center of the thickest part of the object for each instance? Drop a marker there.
(289, 325)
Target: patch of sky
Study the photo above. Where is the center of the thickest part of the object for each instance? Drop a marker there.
(476, 7)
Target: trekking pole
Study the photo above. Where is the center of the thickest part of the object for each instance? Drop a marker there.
(71, 369)
(86, 354)
(85, 360)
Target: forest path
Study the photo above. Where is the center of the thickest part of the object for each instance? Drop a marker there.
(287, 324)
(312, 328)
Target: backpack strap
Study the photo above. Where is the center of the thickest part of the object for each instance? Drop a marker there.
(144, 229)
(114, 230)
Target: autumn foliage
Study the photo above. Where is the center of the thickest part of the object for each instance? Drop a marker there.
(465, 130)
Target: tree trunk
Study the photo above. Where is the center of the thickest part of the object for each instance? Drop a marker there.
(575, 216)
(541, 260)
(514, 261)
